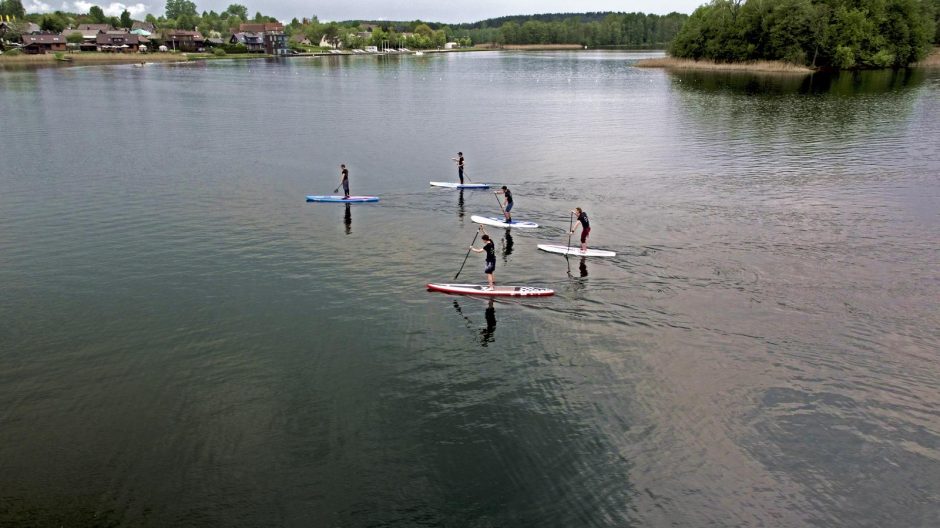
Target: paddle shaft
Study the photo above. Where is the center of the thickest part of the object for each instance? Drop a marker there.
(570, 225)
(500, 202)
(467, 256)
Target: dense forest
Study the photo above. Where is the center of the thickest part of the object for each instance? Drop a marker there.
(819, 33)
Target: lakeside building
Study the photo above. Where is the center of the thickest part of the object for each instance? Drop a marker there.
(43, 43)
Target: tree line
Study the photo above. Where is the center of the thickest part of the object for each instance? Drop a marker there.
(842, 34)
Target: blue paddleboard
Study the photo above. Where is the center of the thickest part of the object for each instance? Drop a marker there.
(340, 199)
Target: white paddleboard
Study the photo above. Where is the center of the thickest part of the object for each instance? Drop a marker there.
(452, 185)
(498, 291)
(576, 251)
(501, 222)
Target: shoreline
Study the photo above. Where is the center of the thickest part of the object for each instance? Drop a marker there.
(672, 63)
(931, 61)
(89, 58)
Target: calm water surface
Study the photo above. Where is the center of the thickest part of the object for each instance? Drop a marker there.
(186, 342)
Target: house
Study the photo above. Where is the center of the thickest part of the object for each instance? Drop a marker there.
(183, 40)
(275, 43)
(44, 43)
(120, 41)
(327, 42)
(300, 38)
(261, 28)
(451, 45)
(254, 42)
(94, 27)
(89, 38)
(144, 26)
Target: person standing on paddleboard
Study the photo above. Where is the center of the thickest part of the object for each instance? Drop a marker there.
(585, 226)
(490, 249)
(345, 181)
(508, 194)
(459, 160)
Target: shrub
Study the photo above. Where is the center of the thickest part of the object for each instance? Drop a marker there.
(218, 52)
(13, 52)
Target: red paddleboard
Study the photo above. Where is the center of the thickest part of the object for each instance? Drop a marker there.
(498, 291)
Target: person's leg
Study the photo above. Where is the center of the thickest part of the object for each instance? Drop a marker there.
(460, 173)
(584, 237)
(346, 188)
(508, 209)
(491, 279)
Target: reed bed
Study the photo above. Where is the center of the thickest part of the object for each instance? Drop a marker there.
(755, 66)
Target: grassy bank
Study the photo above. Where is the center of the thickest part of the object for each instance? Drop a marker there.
(757, 66)
(94, 58)
(932, 60)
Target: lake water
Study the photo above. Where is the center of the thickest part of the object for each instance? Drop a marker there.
(186, 342)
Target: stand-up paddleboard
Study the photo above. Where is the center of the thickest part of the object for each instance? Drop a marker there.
(340, 199)
(498, 291)
(452, 185)
(576, 251)
(501, 222)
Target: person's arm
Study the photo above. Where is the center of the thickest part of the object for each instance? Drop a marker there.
(475, 250)
(577, 223)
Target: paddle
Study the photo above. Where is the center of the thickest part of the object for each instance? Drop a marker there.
(500, 204)
(568, 247)
(570, 224)
(467, 256)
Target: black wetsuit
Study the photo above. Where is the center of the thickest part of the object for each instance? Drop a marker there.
(490, 249)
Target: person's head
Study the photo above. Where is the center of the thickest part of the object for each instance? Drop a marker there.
(578, 210)
(486, 238)
(342, 166)
(504, 188)
(460, 153)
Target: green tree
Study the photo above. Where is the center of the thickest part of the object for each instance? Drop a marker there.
(74, 37)
(176, 8)
(12, 8)
(126, 21)
(97, 15)
(52, 22)
(237, 10)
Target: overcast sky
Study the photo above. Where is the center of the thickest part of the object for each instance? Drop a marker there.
(451, 11)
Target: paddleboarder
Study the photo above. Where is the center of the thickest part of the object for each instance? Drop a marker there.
(508, 194)
(585, 226)
(459, 161)
(345, 181)
(490, 260)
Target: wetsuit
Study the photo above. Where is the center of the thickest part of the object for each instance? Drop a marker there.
(460, 169)
(490, 249)
(508, 195)
(585, 226)
(346, 182)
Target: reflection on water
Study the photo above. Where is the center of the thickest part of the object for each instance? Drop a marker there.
(582, 267)
(347, 219)
(848, 83)
(460, 204)
(507, 245)
(486, 333)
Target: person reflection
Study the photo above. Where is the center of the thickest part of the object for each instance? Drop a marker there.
(486, 334)
(507, 246)
(460, 211)
(583, 267)
(347, 220)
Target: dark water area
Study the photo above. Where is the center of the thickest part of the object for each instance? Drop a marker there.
(186, 342)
